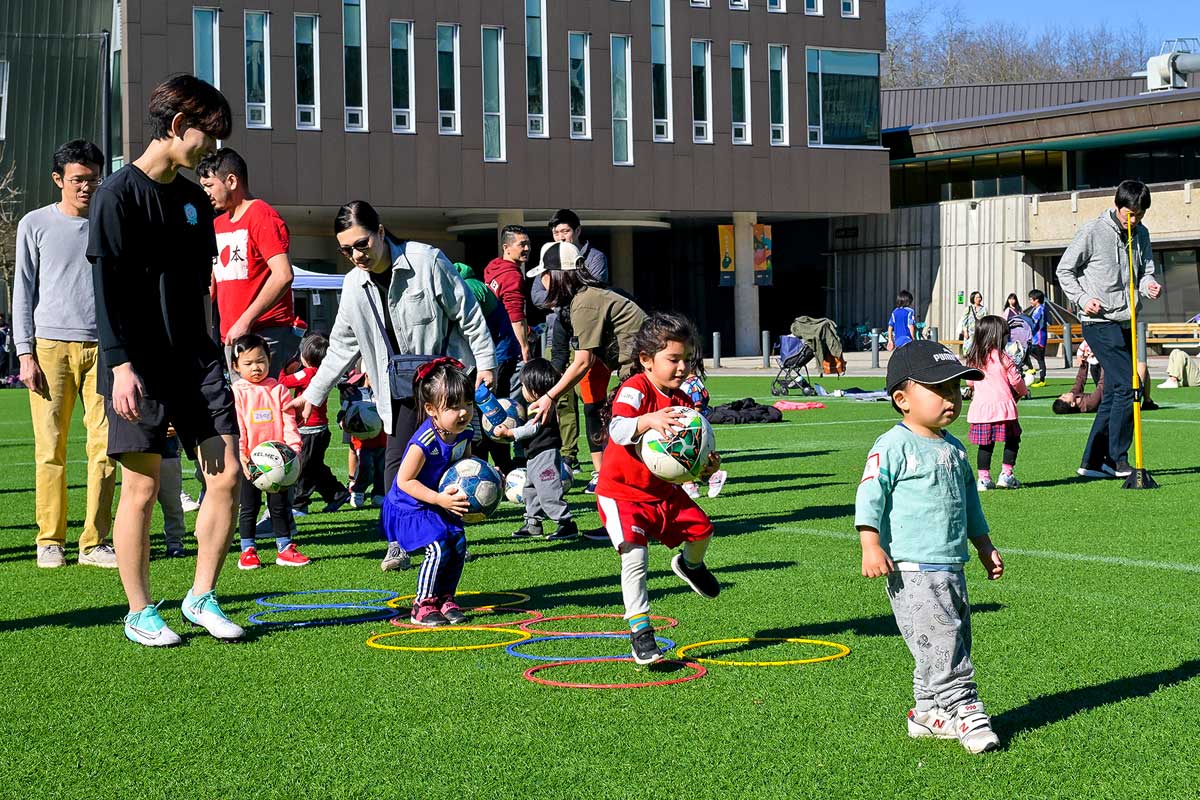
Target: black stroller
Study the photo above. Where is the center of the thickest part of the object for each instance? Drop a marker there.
(794, 356)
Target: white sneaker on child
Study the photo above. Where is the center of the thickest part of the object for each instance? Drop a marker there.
(1169, 383)
(187, 503)
(358, 500)
(693, 491)
(974, 729)
(1008, 481)
(935, 722)
(985, 485)
(717, 482)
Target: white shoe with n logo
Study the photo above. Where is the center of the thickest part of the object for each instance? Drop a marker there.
(935, 722)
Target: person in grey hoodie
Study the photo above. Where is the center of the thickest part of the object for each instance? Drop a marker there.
(1094, 275)
(54, 333)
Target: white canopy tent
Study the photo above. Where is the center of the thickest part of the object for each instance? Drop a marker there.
(318, 281)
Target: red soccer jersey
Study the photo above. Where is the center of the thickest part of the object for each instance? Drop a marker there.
(240, 268)
(623, 476)
(298, 381)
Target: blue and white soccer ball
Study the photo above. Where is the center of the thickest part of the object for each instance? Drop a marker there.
(481, 484)
(512, 418)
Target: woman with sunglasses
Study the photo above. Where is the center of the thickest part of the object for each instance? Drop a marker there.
(402, 299)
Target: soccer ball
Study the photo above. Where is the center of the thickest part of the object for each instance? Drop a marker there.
(481, 484)
(512, 418)
(362, 420)
(514, 483)
(568, 477)
(682, 457)
(274, 466)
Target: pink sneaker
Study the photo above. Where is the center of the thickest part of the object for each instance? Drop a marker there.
(717, 482)
(427, 614)
(453, 614)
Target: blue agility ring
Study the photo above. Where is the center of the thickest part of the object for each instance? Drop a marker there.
(383, 613)
(664, 642)
(385, 596)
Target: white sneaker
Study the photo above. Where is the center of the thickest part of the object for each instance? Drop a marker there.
(1008, 481)
(205, 612)
(693, 491)
(102, 555)
(187, 503)
(358, 500)
(1169, 383)
(50, 556)
(147, 628)
(935, 722)
(717, 482)
(974, 729)
(985, 486)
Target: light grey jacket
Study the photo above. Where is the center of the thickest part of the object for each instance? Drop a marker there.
(1096, 267)
(433, 312)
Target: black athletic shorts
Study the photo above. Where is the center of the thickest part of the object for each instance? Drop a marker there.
(199, 409)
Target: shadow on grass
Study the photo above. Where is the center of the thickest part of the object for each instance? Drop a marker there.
(772, 489)
(1050, 708)
(736, 526)
(880, 625)
(757, 455)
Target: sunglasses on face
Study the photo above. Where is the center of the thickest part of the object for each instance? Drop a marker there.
(362, 246)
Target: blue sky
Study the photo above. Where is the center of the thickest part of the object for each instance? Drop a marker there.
(1163, 18)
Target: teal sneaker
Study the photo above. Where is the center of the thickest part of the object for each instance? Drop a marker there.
(206, 613)
(147, 628)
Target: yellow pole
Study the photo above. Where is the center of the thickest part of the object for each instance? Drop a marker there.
(1137, 404)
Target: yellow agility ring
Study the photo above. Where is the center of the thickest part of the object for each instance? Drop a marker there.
(842, 652)
(518, 597)
(521, 636)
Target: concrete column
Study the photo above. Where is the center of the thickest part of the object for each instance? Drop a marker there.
(503, 218)
(620, 260)
(745, 293)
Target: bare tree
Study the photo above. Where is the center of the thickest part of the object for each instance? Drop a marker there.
(10, 194)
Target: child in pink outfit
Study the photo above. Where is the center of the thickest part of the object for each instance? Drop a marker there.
(993, 411)
(260, 402)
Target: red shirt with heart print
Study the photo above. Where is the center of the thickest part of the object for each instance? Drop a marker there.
(240, 267)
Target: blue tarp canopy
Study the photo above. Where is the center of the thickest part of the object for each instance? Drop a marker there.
(303, 279)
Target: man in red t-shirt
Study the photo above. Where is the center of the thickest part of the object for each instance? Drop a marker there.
(505, 277)
(252, 274)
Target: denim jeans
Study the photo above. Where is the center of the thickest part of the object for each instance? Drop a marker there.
(1112, 430)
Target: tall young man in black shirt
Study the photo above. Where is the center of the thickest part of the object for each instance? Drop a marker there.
(151, 246)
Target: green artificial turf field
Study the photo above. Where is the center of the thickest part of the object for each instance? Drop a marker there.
(1086, 650)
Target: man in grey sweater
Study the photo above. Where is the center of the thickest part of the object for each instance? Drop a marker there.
(54, 332)
(1094, 274)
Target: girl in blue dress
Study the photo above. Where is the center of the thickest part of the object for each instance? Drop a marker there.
(415, 513)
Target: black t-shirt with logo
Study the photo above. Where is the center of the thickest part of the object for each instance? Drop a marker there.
(152, 245)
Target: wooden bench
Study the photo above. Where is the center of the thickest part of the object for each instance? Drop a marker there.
(1164, 335)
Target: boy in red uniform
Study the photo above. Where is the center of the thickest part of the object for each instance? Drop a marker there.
(635, 505)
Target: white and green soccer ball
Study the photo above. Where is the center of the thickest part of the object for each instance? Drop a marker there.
(274, 466)
(681, 457)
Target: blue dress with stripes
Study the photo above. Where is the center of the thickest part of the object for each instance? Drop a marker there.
(407, 521)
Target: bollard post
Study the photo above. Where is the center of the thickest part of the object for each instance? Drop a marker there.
(716, 349)
(1068, 346)
(933, 333)
(874, 348)
(1141, 348)
(766, 349)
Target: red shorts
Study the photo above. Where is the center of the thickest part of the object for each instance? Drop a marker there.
(594, 386)
(672, 521)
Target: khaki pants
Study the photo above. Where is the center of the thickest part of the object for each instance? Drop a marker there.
(1183, 369)
(568, 423)
(70, 370)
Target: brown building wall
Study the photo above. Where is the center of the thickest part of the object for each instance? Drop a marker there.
(431, 171)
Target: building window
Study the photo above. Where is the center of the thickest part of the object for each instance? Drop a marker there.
(402, 77)
(778, 6)
(206, 46)
(700, 3)
(739, 5)
(3, 98)
(536, 119)
(622, 131)
(308, 73)
(354, 64)
(581, 85)
(849, 8)
(447, 74)
(778, 91)
(258, 69)
(660, 68)
(812, 7)
(843, 98)
(701, 91)
(493, 94)
(739, 84)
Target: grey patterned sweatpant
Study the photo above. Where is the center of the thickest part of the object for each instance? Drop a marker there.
(543, 489)
(934, 616)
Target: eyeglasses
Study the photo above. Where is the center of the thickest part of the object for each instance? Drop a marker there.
(362, 245)
(78, 182)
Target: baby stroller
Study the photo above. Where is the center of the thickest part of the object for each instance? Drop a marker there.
(794, 356)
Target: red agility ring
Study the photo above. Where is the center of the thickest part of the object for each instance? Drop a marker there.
(530, 674)
(668, 622)
(402, 622)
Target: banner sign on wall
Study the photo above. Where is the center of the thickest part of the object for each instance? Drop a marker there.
(725, 235)
(762, 255)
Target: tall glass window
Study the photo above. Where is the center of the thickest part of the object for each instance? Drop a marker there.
(206, 46)
(447, 74)
(778, 91)
(622, 132)
(308, 72)
(3, 97)
(580, 71)
(402, 77)
(493, 94)
(258, 70)
(660, 68)
(701, 91)
(739, 86)
(354, 64)
(537, 120)
(843, 98)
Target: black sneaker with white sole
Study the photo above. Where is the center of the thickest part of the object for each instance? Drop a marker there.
(703, 582)
(645, 647)
(527, 531)
(1121, 470)
(566, 530)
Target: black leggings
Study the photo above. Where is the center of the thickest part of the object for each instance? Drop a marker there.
(1010, 454)
(278, 503)
(404, 425)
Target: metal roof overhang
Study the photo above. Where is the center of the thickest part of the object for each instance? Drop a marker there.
(1178, 241)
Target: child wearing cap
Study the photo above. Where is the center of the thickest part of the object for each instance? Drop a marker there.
(916, 508)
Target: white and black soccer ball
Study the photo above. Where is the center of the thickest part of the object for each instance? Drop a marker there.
(362, 420)
(481, 484)
(514, 485)
(274, 466)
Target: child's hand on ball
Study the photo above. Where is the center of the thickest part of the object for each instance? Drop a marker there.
(714, 464)
(502, 432)
(246, 467)
(664, 422)
(453, 500)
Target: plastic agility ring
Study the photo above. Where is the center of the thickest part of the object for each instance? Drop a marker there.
(669, 622)
(401, 622)
(374, 640)
(531, 674)
(842, 651)
(664, 643)
(398, 602)
(379, 615)
(375, 603)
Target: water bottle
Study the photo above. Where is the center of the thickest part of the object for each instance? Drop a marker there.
(489, 406)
